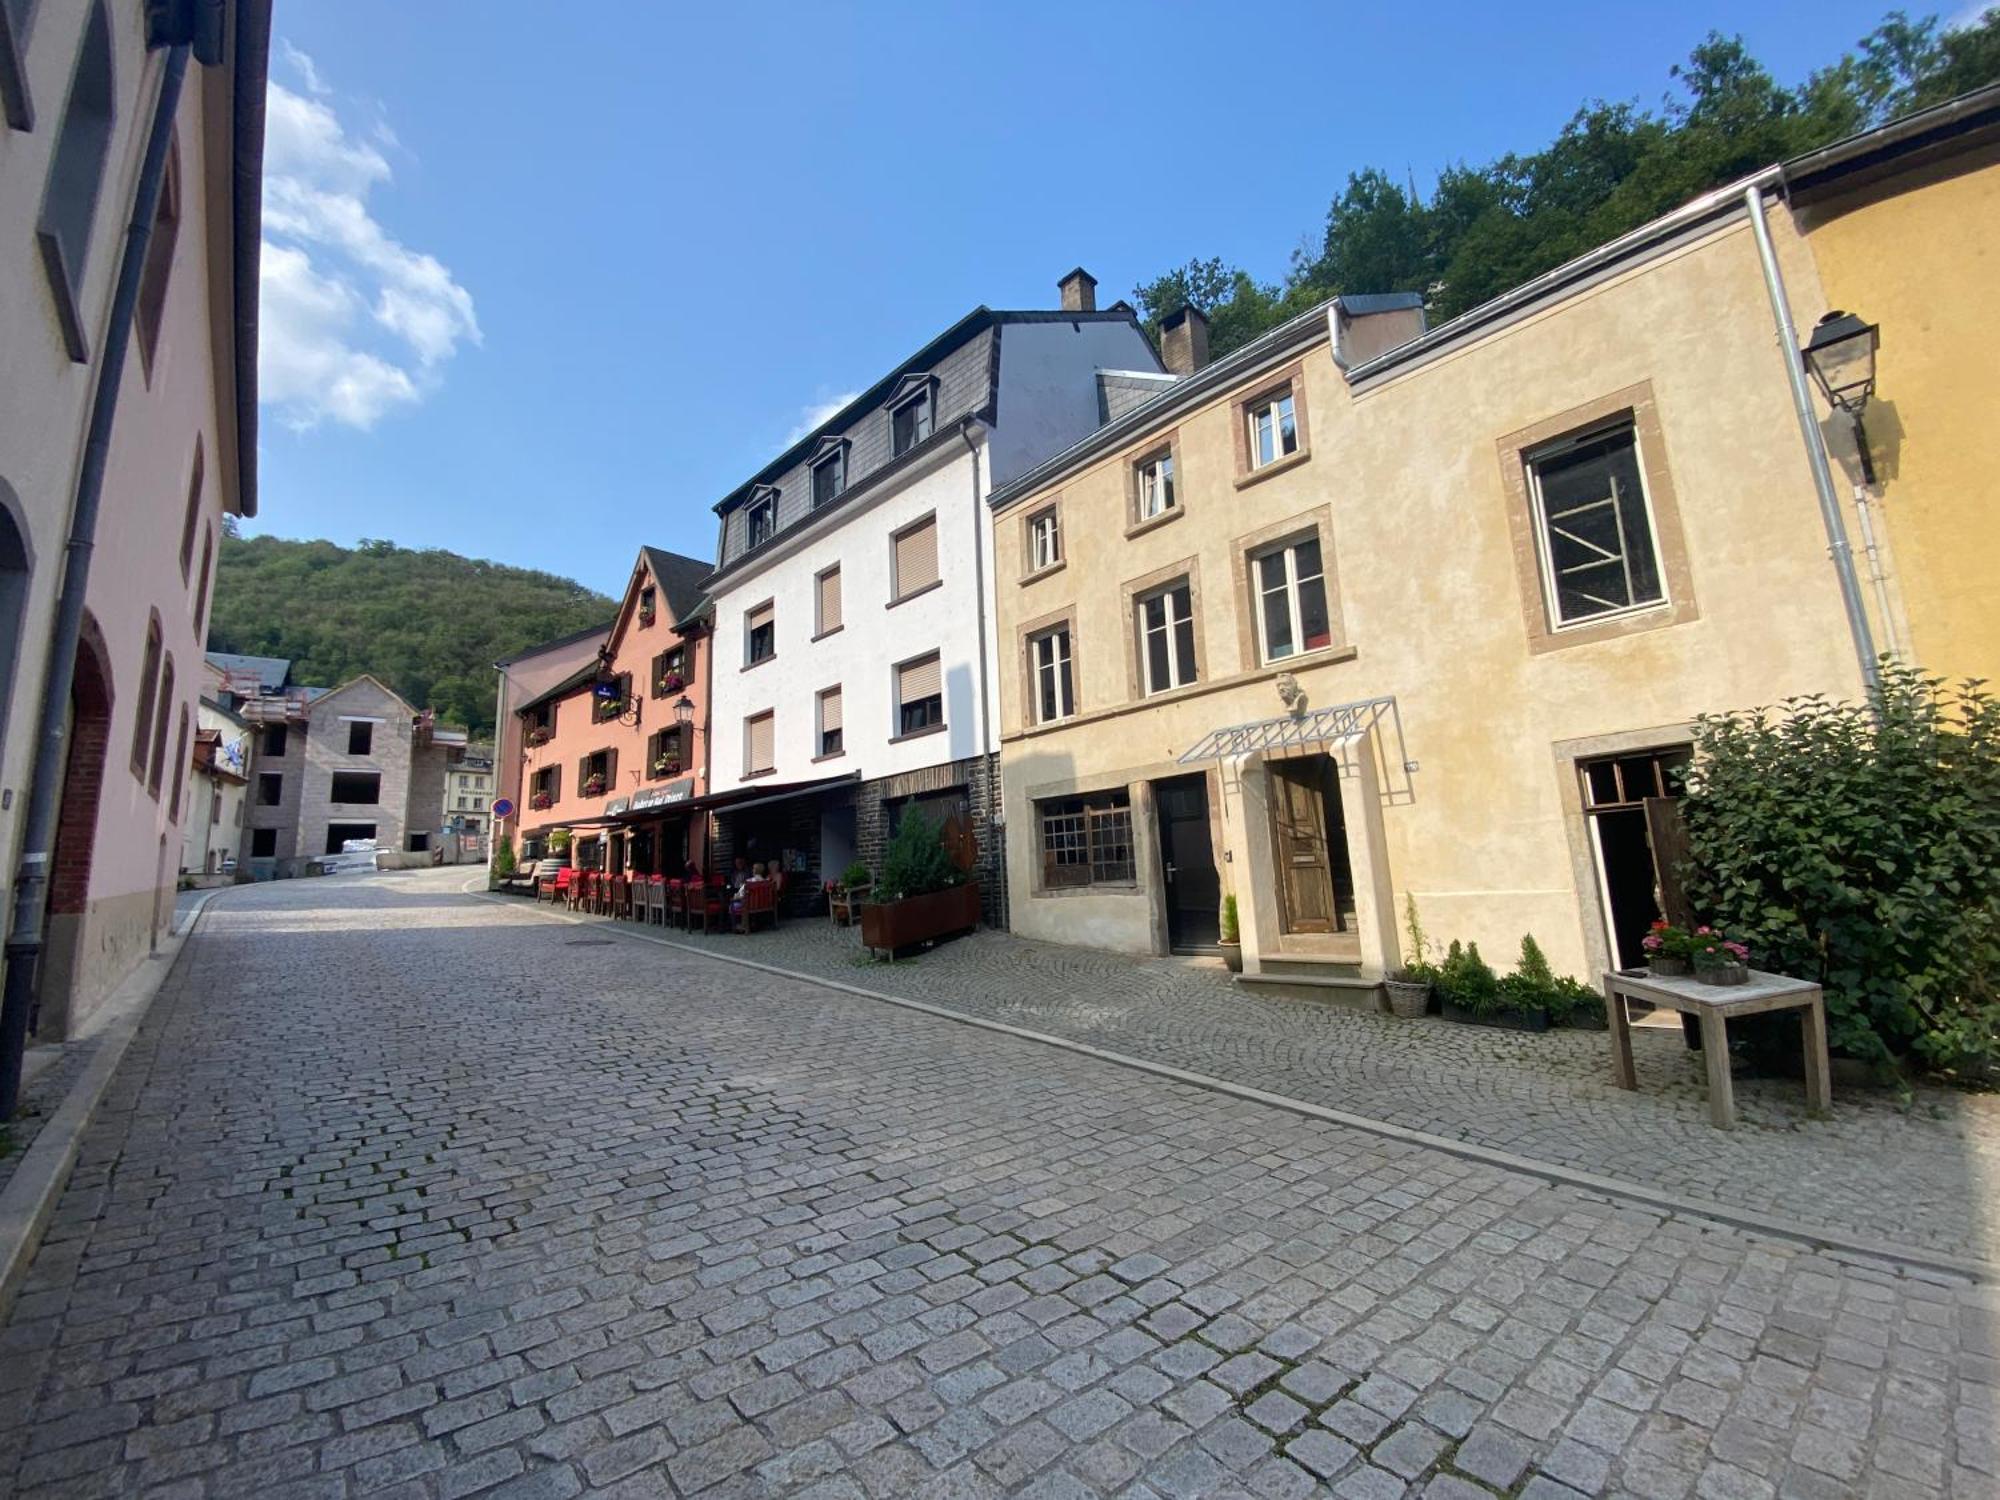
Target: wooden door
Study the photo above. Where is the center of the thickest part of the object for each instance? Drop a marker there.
(1299, 840)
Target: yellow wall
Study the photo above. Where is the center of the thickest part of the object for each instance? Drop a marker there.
(1410, 477)
(1922, 259)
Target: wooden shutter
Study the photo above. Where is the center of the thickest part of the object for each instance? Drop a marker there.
(829, 600)
(829, 710)
(555, 783)
(919, 679)
(610, 772)
(760, 748)
(916, 558)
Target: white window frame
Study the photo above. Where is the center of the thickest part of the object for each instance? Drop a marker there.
(1289, 551)
(1056, 663)
(1532, 461)
(1274, 405)
(1155, 476)
(1180, 674)
(1044, 539)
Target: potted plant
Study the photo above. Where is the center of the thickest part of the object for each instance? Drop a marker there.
(1717, 959)
(1409, 987)
(540, 801)
(1668, 950)
(1473, 994)
(610, 708)
(593, 786)
(559, 842)
(1231, 942)
(541, 734)
(666, 765)
(671, 682)
(921, 895)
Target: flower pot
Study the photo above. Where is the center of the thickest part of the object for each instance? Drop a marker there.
(890, 925)
(1667, 968)
(1729, 973)
(1232, 956)
(1408, 1000)
(1500, 1020)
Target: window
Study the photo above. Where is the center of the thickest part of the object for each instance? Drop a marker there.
(15, 106)
(597, 773)
(611, 696)
(916, 559)
(159, 264)
(545, 788)
(920, 695)
(829, 477)
(215, 806)
(763, 520)
(201, 586)
(180, 766)
(910, 420)
(1166, 637)
(669, 672)
(1044, 539)
(830, 742)
(760, 744)
(356, 787)
(760, 634)
(263, 843)
(360, 737)
(665, 753)
(274, 740)
(1291, 599)
(149, 683)
(1086, 840)
(76, 171)
(1274, 427)
(1593, 527)
(1155, 485)
(270, 789)
(1049, 661)
(158, 767)
(829, 601)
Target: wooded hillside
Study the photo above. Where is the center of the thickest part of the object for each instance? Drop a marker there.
(429, 623)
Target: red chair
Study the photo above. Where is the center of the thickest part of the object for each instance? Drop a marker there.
(704, 904)
(760, 903)
(620, 904)
(567, 887)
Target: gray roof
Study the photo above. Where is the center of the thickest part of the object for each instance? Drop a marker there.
(273, 672)
(1361, 304)
(679, 578)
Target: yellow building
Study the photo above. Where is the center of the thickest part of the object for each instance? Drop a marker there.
(1364, 612)
(1903, 226)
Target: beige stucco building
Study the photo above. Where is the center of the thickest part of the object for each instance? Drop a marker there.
(1364, 613)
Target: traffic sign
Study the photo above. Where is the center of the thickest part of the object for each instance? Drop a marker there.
(503, 807)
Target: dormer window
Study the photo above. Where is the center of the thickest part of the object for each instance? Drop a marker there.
(829, 471)
(763, 518)
(649, 605)
(912, 413)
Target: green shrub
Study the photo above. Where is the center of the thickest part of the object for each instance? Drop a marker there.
(1464, 979)
(1417, 966)
(1230, 932)
(1532, 985)
(916, 862)
(503, 859)
(1858, 845)
(854, 876)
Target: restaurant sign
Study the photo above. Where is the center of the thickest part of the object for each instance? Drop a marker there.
(663, 796)
(616, 806)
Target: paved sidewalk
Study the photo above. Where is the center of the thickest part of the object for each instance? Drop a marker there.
(1927, 1175)
(402, 1194)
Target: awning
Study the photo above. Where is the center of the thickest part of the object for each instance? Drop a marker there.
(1315, 728)
(785, 793)
(652, 803)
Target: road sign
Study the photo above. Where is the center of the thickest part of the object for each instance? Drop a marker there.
(503, 807)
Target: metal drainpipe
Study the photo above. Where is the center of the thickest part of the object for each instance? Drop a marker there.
(1878, 572)
(985, 700)
(24, 938)
(1829, 501)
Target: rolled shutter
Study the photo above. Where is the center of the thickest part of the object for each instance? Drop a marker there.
(916, 558)
(760, 752)
(919, 679)
(829, 711)
(760, 616)
(829, 600)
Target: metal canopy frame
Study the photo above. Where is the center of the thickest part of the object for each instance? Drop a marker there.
(1334, 727)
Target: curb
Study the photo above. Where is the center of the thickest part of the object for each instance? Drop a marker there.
(1860, 1248)
(30, 1196)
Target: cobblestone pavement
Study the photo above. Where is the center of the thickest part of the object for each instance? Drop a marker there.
(1922, 1173)
(404, 1194)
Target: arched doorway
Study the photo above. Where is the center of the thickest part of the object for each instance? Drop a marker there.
(76, 835)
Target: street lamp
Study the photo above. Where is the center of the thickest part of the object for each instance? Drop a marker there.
(1841, 356)
(684, 712)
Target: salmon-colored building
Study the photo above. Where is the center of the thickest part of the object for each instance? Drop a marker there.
(615, 754)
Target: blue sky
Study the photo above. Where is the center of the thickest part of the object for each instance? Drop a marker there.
(544, 282)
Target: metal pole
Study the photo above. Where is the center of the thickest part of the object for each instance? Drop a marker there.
(24, 937)
(1829, 500)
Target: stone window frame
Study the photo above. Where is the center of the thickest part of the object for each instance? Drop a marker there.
(898, 734)
(820, 752)
(151, 655)
(749, 663)
(820, 631)
(149, 317)
(1131, 591)
(66, 221)
(751, 773)
(1640, 404)
(1025, 635)
(1293, 376)
(896, 596)
(1169, 443)
(1031, 514)
(1319, 522)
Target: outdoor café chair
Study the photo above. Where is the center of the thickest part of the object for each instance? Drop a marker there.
(760, 902)
(705, 904)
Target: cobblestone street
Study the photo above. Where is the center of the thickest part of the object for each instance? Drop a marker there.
(403, 1192)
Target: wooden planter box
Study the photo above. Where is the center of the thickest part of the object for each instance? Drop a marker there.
(917, 919)
(1505, 1020)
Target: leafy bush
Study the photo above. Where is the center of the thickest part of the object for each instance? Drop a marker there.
(1859, 846)
(1231, 933)
(916, 862)
(854, 875)
(1466, 980)
(503, 859)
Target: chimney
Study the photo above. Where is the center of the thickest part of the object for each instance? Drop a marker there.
(1079, 291)
(1184, 340)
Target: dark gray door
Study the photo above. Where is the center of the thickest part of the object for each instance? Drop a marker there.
(1187, 853)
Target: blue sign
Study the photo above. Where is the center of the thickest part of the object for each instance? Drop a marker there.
(503, 807)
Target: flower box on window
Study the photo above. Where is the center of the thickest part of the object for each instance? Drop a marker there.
(667, 765)
(593, 786)
(610, 708)
(646, 614)
(541, 734)
(540, 802)
(672, 682)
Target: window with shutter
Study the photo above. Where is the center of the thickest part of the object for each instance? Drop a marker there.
(920, 695)
(916, 558)
(759, 744)
(831, 741)
(829, 601)
(760, 634)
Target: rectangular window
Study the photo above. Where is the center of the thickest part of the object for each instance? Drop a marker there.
(612, 696)
(669, 673)
(649, 604)
(763, 521)
(916, 558)
(1291, 599)
(760, 634)
(545, 788)
(760, 743)
(270, 789)
(1593, 527)
(1166, 637)
(829, 601)
(830, 741)
(1044, 539)
(360, 737)
(214, 805)
(1274, 428)
(597, 773)
(666, 755)
(263, 843)
(1086, 840)
(1049, 656)
(149, 685)
(910, 423)
(364, 787)
(274, 741)
(1155, 480)
(829, 477)
(919, 695)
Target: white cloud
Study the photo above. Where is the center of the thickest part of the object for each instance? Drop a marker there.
(817, 413)
(354, 323)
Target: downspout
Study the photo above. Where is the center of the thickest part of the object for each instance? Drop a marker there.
(990, 748)
(24, 938)
(1829, 502)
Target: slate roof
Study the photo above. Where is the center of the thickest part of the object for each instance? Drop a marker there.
(679, 578)
(273, 672)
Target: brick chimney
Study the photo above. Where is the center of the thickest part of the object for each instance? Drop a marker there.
(1184, 340)
(1079, 291)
